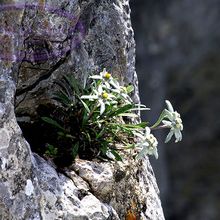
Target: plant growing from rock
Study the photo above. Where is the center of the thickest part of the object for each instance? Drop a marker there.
(101, 121)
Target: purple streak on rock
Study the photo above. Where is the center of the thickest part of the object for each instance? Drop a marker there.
(78, 30)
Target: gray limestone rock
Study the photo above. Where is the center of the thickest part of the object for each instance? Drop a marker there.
(41, 41)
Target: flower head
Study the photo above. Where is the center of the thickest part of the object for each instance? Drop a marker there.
(174, 122)
(102, 97)
(148, 144)
(123, 94)
(107, 79)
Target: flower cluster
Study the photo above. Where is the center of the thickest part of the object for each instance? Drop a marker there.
(147, 144)
(107, 91)
(93, 120)
(174, 122)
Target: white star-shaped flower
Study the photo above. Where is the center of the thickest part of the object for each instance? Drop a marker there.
(148, 144)
(103, 98)
(174, 122)
(107, 79)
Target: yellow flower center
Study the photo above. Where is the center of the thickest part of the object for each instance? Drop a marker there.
(104, 95)
(178, 126)
(107, 75)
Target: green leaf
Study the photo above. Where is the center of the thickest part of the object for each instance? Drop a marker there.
(117, 156)
(75, 149)
(51, 151)
(121, 128)
(101, 133)
(162, 115)
(139, 107)
(87, 135)
(73, 83)
(130, 88)
(69, 136)
(53, 122)
(63, 98)
(140, 125)
(122, 109)
(104, 148)
(85, 119)
(60, 133)
(64, 87)
(130, 115)
(130, 146)
(85, 106)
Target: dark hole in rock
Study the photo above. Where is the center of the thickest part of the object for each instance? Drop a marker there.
(82, 194)
(119, 175)
(144, 208)
(39, 134)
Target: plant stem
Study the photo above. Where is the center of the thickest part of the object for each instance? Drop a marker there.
(92, 112)
(160, 127)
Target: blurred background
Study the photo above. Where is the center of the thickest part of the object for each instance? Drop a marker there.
(178, 58)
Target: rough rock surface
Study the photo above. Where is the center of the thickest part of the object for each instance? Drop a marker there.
(40, 42)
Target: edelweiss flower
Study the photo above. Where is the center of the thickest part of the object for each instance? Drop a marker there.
(174, 122)
(102, 97)
(121, 91)
(107, 79)
(148, 144)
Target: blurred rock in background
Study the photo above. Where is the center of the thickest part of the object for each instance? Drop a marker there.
(178, 58)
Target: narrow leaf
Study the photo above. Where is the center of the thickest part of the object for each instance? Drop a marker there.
(122, 109)
(63, 98)
(162, 115)
(140, 125)
(75, 149)
(131, 115)
(85, 106)
(100, 133)
(130, 88)
(73, 83)
(117, 156)
(53, 122)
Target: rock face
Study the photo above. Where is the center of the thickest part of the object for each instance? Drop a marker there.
(41, 41)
